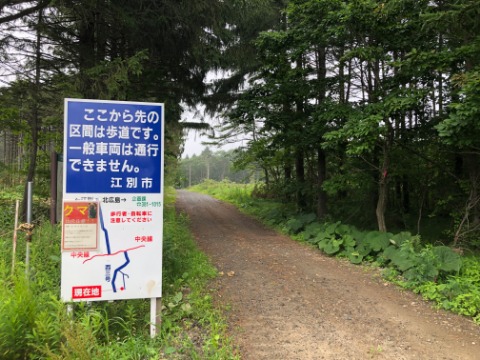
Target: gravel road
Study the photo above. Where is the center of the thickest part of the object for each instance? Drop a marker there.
(286, 300)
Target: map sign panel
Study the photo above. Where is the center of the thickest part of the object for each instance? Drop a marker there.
(113, 200)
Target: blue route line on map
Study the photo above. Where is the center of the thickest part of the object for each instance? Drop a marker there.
(124, 276)
(109, 252)
(117, 270)
(105, 231)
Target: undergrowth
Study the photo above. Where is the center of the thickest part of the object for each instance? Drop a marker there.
(34, 323)
(438, 273)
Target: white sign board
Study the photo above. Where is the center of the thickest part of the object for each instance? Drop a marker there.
(112, 200)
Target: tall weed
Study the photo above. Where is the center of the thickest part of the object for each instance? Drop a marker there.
(18, 314)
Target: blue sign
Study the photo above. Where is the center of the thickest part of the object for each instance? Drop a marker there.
(113, 146)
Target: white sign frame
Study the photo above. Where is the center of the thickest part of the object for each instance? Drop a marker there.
(118, 144)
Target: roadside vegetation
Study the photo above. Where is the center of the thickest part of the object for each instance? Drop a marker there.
(34, 324)
(438, 272)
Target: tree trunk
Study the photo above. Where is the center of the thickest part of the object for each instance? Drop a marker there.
(383, 190)
(405, 195)
(101, 32)
(322, 195)
(267, 178)
(321, 156)
(86, 42)
(300, 174)
(472, 166)
(381, 205)
(34, 121)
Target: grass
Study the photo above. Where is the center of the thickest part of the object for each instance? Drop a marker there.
(34, 323)
(226, 190)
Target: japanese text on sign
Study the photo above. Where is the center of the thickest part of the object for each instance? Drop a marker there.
(86, 292)
(116, 146)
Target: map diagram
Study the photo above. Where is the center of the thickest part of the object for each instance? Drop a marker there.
(120, 256)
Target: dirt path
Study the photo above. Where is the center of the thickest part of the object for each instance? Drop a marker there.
(289, 301)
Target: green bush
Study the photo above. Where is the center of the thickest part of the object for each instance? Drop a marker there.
(459, 293)
(298, 223)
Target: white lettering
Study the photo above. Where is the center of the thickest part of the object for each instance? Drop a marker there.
(153, 117)
(87, 114)
(75, 163)
(75, 130)
(100, 116)
(140, 150)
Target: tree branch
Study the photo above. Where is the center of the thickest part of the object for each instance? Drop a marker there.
(24, 12)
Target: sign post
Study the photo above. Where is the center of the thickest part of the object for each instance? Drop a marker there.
(112, 200)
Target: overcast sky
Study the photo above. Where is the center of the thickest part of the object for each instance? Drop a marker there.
(193, 143)
(194, 146)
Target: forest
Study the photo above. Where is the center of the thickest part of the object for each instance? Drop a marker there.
(218, 166)
(367, 112)
(364, 112)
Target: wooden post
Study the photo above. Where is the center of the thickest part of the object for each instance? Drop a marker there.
(14, 248)
(155, 316)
